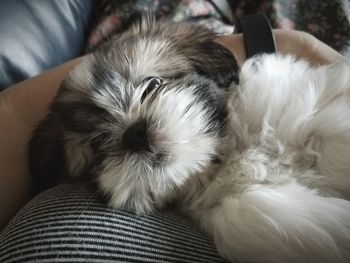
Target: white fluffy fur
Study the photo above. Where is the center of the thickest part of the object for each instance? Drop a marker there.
(274, 188)
(176, 122)
(283, 193)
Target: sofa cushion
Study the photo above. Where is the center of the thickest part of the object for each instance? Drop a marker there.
(69, 223)
(37, 35)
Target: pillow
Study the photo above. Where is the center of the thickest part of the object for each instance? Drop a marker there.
(37, 35)
(68, 223)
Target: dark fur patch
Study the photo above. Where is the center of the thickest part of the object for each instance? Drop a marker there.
(214, 99)
(47, 163)
(81, 117)
(217, 63)
(134, 18)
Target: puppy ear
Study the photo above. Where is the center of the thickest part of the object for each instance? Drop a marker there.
(196, 42)
(209, 58)
(217, 63)
(46, 155)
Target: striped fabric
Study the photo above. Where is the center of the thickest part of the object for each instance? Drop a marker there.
(68, 224)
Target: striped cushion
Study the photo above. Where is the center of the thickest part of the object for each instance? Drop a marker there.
(68, 224)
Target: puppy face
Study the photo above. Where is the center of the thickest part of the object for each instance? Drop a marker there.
(140, 115)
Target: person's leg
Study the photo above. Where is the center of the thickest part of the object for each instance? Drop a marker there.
(69, 224)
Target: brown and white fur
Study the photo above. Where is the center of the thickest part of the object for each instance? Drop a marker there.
(157, 116)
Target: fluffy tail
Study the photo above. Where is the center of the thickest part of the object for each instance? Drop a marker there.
(286, 223)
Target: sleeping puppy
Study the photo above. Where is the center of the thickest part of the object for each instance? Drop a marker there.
(157, 117)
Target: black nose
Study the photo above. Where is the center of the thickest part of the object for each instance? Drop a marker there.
(135, 137)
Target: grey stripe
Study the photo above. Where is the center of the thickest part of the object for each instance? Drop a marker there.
(149, 225)
(91, 237)
(80, 204)
(172, 223)
(142, 258)
(73, 231)
(131, 249)
(66, 225)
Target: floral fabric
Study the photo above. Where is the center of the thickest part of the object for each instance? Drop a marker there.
(327, 20)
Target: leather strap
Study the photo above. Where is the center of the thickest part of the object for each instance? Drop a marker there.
(257, 34)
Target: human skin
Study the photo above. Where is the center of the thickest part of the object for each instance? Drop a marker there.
(25, 104)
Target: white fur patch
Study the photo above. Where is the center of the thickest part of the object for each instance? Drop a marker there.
(283, 193)
(180, 125)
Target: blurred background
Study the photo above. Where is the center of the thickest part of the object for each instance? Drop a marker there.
(39, 34)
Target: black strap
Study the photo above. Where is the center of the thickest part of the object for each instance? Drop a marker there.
(257, 34)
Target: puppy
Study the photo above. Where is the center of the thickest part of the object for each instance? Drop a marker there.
(157, 116)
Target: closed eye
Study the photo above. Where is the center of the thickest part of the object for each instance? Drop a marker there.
(152, 84)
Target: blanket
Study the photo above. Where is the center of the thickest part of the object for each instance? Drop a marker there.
(329, 21)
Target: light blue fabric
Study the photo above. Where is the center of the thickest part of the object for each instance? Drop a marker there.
(36, 35)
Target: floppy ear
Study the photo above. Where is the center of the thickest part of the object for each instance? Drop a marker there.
(46, 155)
(196, 42)
(217, 63)
(208, 58)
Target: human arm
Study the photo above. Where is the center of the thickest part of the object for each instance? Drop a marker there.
(22, 106)
(298, 43)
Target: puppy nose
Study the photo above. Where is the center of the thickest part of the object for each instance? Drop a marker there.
(135, 137)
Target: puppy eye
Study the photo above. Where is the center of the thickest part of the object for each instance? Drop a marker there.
(152, 83)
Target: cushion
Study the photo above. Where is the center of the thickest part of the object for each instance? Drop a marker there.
(37, 35)
(68, 223)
